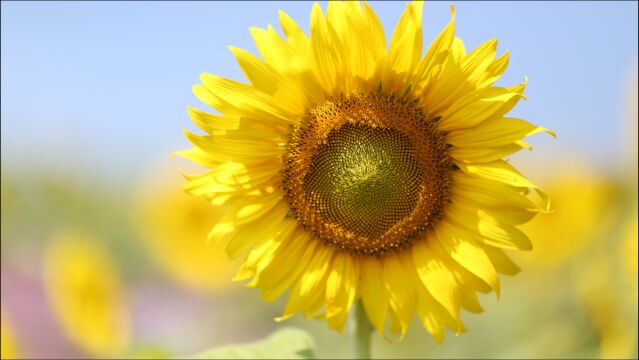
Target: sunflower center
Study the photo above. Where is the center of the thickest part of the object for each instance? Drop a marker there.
(364, 179)
(367, 173)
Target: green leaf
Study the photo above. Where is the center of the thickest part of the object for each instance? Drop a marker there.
(286, 343)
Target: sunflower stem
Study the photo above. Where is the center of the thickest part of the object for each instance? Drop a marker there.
(361, 332)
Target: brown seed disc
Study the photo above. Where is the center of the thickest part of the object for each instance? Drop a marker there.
(367, 173)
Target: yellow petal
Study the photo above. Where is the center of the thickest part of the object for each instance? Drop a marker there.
(446, 85)
(405, 48)
(324, 45)
(246, 208)
(488, 192)
(360, 35)
(429, 313)
(478, 60)
(336, 17)
(261, 75)
(213, 123)
(341, 289)
(375, 34)
(270, 224)
(458, 49)
(242, 151)
(256, 210)
(508, 214)
(437, 52)
(296, 37)
(311, 283)
(293, 59)
(400, 287)
(463, 276)
(315, 305)
(262, 253)
(469, 300)
(276, 278)
(478, 106)
(462, 248)
(436, 277)
(348, 45)
(518, 89)
(277, 52)
(199, 157)
(232, 97)
(373, 291)
(503, 264)
(221, 232)
(494, 71)
(234, 177)
(498, 171)
(490, 231)
(205, 184)
(483, 155)
(432, 314)
(395, 325)
(281, 237)
(494, 132)
(266, 79)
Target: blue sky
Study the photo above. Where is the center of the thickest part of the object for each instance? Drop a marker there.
(103, 88)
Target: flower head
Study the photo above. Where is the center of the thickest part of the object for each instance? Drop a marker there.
(351, 171)
(580, 216)
(172, 226)
(8, 346)
(84, 288)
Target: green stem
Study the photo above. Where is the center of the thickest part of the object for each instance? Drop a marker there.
(361, 332)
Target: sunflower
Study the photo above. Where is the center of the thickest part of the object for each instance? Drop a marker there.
(8, 346)
(605, 295)
(352, 171)
(84, 288)
(581, 216)
(172, 225)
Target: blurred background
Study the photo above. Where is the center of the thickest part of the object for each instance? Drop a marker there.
(104, 256)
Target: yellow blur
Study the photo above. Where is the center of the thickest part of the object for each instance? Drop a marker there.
(84, 289)
(173, 228)
(8, 346)
(580, 202)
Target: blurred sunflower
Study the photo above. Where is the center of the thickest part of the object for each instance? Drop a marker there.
(350, 171)
(84, 289)
(630, 251)
(173, 226)
(603, 294)
(8, 346)
(580, 215)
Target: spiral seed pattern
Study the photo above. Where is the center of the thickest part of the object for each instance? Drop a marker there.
(367, 173)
